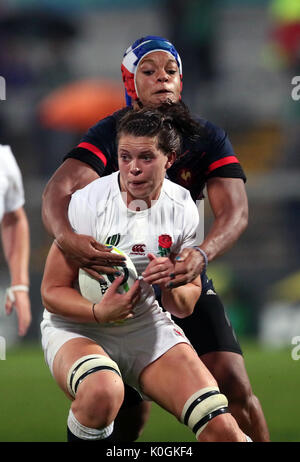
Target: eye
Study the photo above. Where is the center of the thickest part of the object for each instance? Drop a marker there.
(124, 157)
(148, 72)
(172, 71)
(147, 158)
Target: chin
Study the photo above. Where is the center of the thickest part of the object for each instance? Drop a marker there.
(161, 100)
(167, 100)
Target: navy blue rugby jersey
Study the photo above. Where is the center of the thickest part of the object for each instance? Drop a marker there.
(210, 156)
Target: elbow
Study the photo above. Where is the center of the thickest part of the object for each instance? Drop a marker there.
(243, 222)
(46, 298)
(242, 218)
(46, 192)
(183, 315)
(185, 312)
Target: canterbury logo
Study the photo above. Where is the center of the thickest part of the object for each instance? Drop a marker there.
(138, 249)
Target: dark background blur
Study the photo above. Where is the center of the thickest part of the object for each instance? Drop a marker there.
(60, 61)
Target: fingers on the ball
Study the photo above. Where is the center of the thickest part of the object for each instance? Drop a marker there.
(134, 288)
(117, 282)
(93, 273)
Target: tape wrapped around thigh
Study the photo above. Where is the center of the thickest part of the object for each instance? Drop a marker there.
(203, 406)
(85, 366)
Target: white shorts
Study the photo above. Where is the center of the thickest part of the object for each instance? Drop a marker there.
(132, 345)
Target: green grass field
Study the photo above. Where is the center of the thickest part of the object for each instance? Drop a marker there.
(33, 409)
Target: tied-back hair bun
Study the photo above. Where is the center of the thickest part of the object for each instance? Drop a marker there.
(170, 122)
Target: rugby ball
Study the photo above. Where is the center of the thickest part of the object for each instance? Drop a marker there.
(94, 290)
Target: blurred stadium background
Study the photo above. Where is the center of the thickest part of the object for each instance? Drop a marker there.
(60, 60)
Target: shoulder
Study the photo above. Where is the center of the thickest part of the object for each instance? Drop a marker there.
(96, 192)
(177, 194)
(212, 130)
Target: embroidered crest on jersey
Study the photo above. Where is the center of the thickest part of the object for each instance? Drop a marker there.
(164, 245)
(113, 240)
(185, 176)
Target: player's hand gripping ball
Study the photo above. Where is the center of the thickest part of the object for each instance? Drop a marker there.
(94, 290)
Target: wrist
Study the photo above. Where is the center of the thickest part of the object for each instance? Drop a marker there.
(10, 291)
(204, 255)
(94, 314)
(61, 238)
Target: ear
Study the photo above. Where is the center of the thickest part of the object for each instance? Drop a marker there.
(170, 159)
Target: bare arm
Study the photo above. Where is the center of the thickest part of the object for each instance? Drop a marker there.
(16, 247)
(181, 301)
(61, 298)
(68, 178)
(87, 252)
(229, 204)
(178, 301)
(228, 201)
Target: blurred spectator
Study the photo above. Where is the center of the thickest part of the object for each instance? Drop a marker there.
(284, 41)
(15, 238)
(34, 60)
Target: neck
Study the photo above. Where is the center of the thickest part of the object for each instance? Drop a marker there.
(137, 105)
(138, 204)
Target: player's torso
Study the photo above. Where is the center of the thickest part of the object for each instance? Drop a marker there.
(156, 230)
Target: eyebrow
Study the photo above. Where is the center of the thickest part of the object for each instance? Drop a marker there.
(142, 153)
(152, 61)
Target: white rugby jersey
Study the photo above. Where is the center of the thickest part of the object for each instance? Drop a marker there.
(11, 185)
(169, 225)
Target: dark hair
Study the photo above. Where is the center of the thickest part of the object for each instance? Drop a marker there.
(169, 122)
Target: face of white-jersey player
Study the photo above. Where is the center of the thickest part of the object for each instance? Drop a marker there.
(142, 167)
(157, 79)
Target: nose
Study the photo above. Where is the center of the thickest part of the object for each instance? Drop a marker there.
(134, 169)
(163, 76)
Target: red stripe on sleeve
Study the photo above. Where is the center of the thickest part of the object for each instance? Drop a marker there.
(94, 150)
(222, 162)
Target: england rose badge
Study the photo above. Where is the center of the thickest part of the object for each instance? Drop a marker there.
(164, 245)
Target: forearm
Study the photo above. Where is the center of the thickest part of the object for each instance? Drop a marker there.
(55, 212)
(67, 302)
(181, 301)
(223, 233)
(16, 246)
(229, 204)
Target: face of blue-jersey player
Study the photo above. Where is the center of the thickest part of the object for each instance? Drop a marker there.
(157, 79)
(142, 168)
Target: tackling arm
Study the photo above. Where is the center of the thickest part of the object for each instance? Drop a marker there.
(229, 204)
(68, 178)
(88, 253)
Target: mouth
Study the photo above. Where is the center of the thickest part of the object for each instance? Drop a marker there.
(163, 92)
(137, 183)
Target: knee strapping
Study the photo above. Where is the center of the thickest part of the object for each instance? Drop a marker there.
(203, 406)
(87, 365)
